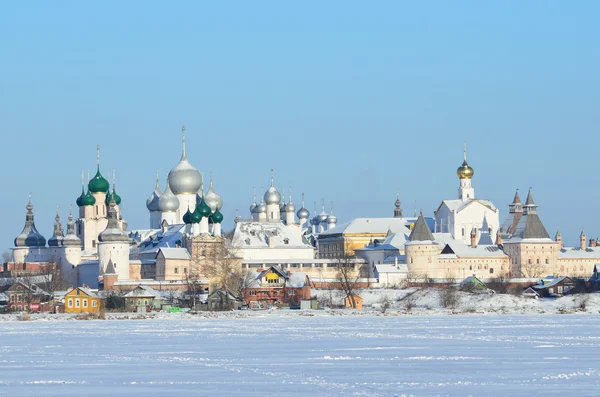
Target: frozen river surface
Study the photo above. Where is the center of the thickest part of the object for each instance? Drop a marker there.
(275, 355)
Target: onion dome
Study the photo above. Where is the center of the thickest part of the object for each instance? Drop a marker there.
(184, 178)
(58, 236)
(303, 212)
(203, 209)
(187, 217)
(79, 200)
(195, 217)
(115, 196)
(272, 196)
(465, 171)
(290, 207)
(152, 201)
(282, 202)
(88, 199)
(331, 218)
(108, 197)
(261, 208)
(113, 231)
(323, 215)
(30, 237)
(212, 199)
(71, 239)
(168, 202)
(216, 217)
(98, 184)
(315, 221)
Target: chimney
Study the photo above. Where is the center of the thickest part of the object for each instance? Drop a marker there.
(474, 238)
(396, 262)
(499, 237)
(592, 243)
(582, 240)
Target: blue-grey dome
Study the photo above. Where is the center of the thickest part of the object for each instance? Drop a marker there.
(212, 199)
(303, 213)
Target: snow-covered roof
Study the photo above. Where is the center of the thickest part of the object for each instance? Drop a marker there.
(462, 250)
(371, 226)
(530, 227)
(550, 282)
(459, 205)
(268, 234)
(384, 268)
(143, 291)
(149, 247)
(576, 253)
(175, 253)
(3, 297)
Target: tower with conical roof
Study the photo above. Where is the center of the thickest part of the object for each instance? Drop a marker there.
(290, 210)
(465, 174)
(71, 252)
(421, 251)
(57, 236)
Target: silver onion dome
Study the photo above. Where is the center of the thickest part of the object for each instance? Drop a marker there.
(303, 213)
(253, 207)
(168, 202)
(113, 232)
(331, 219)
(184, 178)
(212, 198)
(71, 239)
(322, 216)
(57, 238)
(30, 237)
(261, 208)
(152, 201)
(272, 196)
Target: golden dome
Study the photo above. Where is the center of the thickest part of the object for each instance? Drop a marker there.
(464, 171)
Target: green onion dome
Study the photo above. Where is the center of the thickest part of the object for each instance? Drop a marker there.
(203, 208)
(195, 217)
(187, 217)
(113, 195)
(217, 217)
(98, 184)
(79, 200)
(88, 199)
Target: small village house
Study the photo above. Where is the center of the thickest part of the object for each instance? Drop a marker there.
(82, 300)
(353, 302)
(221, 300)
(143, 299)
(23, 297)
(275, 287)
(554, 286)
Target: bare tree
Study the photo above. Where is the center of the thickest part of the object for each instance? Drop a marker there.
(532, 269)
(224, 269)
(195, 284)
(52, 279)
(347, 277)
(6, 257)
(385, 303)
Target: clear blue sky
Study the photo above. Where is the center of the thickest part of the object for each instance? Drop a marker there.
(349, 101)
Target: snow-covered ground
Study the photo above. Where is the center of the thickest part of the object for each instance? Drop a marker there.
(301, 354)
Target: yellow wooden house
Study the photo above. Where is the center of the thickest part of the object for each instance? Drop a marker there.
(82, 300)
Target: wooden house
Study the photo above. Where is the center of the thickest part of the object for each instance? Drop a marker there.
(354, 302)
(554, 286)
(143, 299)
(82, 300)
(275, 287)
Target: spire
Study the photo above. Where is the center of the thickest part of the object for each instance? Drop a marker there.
(302, 199)
(290, 192)
(517, 199)
(157, 180)
(202, 184)
(210, 183)
(254, 194)
(98, 155)
(262, 201)
(182, 141)
(415, 209)
(272, 177)
(323, 205)
(529, 202)
(397, 204)
(331, 207)
(465, 151)
(110, 268)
